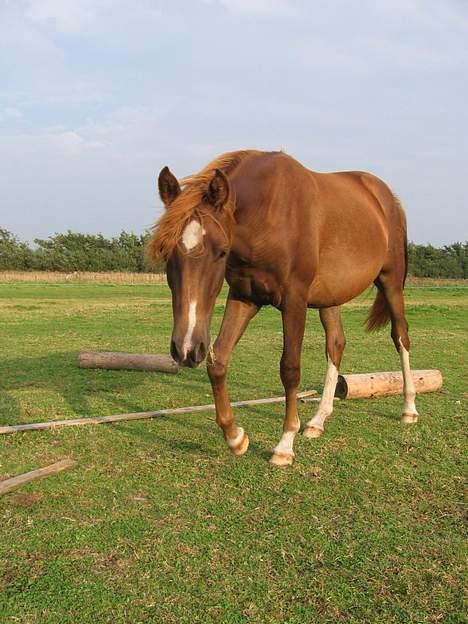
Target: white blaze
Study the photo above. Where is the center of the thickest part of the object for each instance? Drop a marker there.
(193, 235)
(192, 319)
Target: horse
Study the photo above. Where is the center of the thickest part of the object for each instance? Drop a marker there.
(286, 236)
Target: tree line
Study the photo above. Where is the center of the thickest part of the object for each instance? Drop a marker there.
(73, 251)
(447, 261)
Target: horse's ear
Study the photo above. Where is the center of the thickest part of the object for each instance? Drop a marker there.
(168, 185)
(218, 190)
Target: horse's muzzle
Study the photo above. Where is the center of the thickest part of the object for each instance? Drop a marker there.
(192, 358)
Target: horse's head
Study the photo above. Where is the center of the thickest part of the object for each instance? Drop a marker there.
(196, 258)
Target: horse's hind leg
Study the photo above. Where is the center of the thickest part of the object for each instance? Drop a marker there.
(393, 293)
(335, 344)
(294, 317)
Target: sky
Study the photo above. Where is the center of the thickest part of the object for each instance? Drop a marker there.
(96, 96)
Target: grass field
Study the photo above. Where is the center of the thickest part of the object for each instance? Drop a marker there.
(160, 523)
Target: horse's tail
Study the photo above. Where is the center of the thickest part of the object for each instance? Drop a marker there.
(379, 314)
(406, 254)
(404, 228)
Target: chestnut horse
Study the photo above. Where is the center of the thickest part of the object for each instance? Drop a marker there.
(289, 237)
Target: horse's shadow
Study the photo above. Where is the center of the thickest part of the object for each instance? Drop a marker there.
(191, 423)
(59, 373)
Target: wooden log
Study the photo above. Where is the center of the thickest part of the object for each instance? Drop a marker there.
(97, 420)
(129, 361)
(369, 385)
(15, 482)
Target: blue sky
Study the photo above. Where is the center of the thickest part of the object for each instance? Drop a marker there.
(96, 96)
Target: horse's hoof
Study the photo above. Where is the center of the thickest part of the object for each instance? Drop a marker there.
(409, 418)
(242, 447)
(281, 459)
(312, 432)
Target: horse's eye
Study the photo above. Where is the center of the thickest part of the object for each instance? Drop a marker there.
(222, 253)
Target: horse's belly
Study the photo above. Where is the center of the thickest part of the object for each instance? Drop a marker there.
(337, 283)
(349, 257)
(325, 295)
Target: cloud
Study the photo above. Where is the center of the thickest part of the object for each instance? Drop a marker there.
(134, 139)
(258, 7)
(9, 114)
(325, 55)
(422, 13)
(406, 54)
(70, 16)
(17, 34)
(74, 92)
(72, 144)
(370, 53)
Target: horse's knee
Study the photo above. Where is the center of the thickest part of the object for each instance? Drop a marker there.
(216, 370)
(339, 344)
(335, 348)
(290, 373)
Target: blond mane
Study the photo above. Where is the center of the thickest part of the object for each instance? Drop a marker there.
(166, 232)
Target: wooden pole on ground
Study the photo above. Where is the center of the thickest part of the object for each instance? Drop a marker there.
(97, 420)
(15, 482)
(129, 361)
(369, 385)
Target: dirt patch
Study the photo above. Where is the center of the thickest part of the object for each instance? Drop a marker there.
(25, 500)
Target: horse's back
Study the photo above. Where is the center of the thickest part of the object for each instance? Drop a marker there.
(327, 233)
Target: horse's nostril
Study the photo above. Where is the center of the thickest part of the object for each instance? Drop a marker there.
(202, 351)
(199, 352)
(191, 358)
(174, 352)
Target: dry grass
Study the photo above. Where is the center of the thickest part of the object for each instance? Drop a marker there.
(436, 281)
(119, 277)
(123, 277)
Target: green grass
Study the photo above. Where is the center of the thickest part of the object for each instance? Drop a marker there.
(160, 523)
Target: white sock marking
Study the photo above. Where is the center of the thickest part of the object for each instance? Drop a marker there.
(285, 445)
(234, 442)
(192, 319)
(409, 391)
(325, 407)
(193, 235)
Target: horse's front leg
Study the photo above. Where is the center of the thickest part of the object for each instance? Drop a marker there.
(236, 318)
(294, 316)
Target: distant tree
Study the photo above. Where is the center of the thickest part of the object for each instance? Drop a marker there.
(73, 251)
(14, 255)
(153, 266)
(429, 261)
